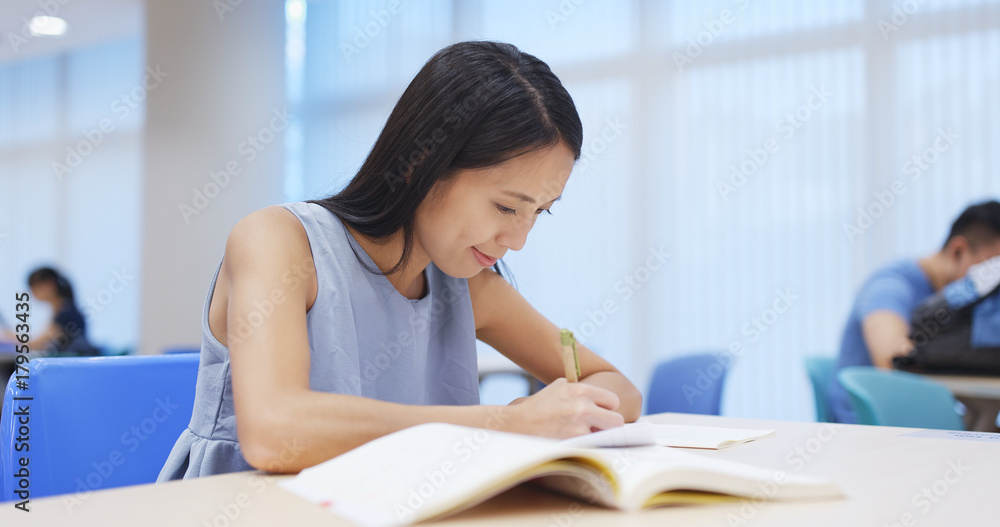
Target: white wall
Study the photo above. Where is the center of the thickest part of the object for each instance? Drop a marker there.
(70, 181)
(224, 84)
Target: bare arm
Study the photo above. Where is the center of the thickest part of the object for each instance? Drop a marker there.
(282, 425)
(506, 321)
(887, 335)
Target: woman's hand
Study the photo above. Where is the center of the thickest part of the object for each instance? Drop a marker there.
(563, 409)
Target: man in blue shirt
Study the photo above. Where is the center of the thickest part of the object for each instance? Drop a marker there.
(878, 326)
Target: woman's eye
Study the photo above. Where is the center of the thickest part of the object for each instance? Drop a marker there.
(540, 211)
(505, 210)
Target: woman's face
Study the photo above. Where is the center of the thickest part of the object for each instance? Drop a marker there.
(467, 224)
(44, 290)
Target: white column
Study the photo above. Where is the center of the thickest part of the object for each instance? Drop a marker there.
(215, 117)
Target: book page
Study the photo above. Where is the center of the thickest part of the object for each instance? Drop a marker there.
(429, 470)
(643, 473)
(632, 434)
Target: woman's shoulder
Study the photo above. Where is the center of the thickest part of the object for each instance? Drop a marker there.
(273, 221)
(264, 249)
(272, 235)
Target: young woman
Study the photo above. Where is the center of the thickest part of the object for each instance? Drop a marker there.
(332, 322)
(66, 334)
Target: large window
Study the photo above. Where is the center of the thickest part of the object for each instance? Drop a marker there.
(741, 138)
(70, 176)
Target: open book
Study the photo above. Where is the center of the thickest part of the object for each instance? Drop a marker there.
(435, 469)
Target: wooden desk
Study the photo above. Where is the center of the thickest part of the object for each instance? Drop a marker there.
(980, 395)
(882, 472)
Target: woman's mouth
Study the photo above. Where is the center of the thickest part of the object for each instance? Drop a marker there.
(483, 259)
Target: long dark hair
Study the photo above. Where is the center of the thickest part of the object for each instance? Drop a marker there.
(47, 274)
(472, 105)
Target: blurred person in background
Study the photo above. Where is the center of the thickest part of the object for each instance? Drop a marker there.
(66, 334)
(878, 326)
(6, 330)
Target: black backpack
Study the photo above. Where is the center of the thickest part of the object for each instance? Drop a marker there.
(942, 334)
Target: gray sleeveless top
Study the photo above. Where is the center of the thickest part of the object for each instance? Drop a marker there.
(365, 339)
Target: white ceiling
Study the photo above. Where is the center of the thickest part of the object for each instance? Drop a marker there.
(90, 22)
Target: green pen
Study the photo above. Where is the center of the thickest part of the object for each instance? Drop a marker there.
(571, 362)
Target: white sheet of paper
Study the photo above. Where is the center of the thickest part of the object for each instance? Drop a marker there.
(686, 436)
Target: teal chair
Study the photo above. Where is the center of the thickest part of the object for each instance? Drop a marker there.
(896, 398)
(821, 370)
(93, 422)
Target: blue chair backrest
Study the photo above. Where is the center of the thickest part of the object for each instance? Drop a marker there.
(896, 398)
(94, 422)
(189, 349)
(821, 371)
(691, 384)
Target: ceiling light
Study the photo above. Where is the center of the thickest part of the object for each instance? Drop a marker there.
(47, 26)
(295, 10)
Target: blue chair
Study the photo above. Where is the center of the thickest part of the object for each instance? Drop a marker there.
(94, 422)
(897, 398)
(691, 385)
(821, 371)
(174, 351)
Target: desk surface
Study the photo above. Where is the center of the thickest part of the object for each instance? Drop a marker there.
(883, 473)
(970, 386)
